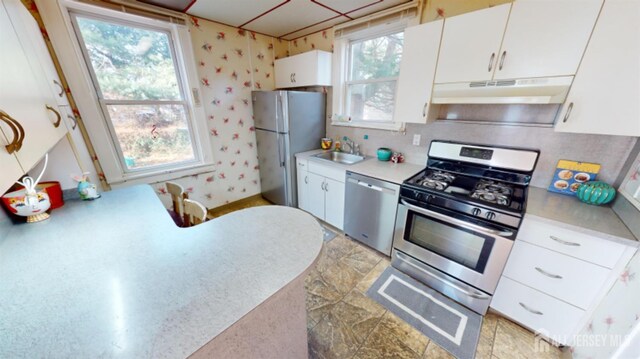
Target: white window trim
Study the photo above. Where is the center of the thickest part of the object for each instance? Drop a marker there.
(341, 73)
(63, 37)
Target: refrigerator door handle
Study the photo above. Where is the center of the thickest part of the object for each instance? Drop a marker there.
(281, 150)
(281, 113)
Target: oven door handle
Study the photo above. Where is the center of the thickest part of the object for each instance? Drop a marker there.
(456, 221)
(446, 282)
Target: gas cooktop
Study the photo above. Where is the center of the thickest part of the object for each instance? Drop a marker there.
(482, 182)
(486, 191)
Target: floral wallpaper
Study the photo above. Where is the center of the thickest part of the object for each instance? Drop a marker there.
(231, 63)
(280, 48)
(322, 40)
(632, 183)
(615, 317)
(438, 9)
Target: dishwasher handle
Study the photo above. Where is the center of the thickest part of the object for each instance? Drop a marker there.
(371, 186)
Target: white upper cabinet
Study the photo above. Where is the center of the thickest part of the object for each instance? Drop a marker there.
(26, 98)
(312, 68)
(36, 49)
(546, 38)
(11, 170)
(417, 70)
(471, 44)
(604, 96)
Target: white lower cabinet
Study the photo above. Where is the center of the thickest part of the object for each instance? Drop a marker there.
(321, 191)
(302, 182)
(334, 203)
(540, 312)
(554, 280)
(316, 195)
(572, 280)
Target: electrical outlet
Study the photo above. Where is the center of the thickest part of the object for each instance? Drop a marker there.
(416, 140)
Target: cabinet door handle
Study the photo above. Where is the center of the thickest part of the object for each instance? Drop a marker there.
(58, 117)
(536, 312)
(504, 54)
(322, 185)
(424, 109)
(294, 77)
(566, 243)
(60, 86)
(566, 115)
(493, 56)
(18, 132)
(75, 121)
(306, 179)
(326, 186)
(544, 272)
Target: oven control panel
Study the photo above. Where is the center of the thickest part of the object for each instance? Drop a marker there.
(474, 152)
(423, 198)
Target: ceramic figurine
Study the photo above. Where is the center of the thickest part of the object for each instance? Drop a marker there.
(30, 202)
(86, 189)
(397, 157)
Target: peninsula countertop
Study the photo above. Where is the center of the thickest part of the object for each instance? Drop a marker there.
(115, 277)
(386, 171)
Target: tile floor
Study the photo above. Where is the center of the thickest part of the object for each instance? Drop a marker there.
(344, 323)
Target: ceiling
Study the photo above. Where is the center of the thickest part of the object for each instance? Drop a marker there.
(288, 19)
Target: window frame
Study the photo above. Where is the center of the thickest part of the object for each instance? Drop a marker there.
(342, 73)
(348, 82)
(98, 123)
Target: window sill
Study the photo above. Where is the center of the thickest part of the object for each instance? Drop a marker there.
(161, 175)
(389, 126)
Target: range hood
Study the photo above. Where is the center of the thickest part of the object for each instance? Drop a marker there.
(549, 90)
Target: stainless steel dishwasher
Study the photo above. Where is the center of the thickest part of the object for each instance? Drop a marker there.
(370, 211)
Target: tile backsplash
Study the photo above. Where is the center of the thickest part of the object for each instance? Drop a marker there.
(610, 151)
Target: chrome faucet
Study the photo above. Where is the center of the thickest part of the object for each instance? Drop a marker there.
(354, 148)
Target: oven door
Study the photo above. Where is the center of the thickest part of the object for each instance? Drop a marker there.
(454, 243)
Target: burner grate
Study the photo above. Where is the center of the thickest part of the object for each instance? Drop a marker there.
(437, 180)
(493, 192)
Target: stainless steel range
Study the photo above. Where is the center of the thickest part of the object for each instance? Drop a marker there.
(457, 219)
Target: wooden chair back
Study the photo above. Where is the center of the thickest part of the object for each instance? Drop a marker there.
(178, 195)
(194, 213)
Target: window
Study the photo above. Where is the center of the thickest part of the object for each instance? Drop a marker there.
(366, 64)
(134, 80)
(373, 68)
(137, 82)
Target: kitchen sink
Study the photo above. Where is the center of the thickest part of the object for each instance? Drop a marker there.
(339, 157)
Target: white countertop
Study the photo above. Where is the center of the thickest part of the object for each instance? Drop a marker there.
(540, 202)
(115, 277)
(386, 171)
(569, 210)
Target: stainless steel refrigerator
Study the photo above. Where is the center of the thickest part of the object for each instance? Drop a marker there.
(286, 122)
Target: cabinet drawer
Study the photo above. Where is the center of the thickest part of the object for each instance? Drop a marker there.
(575, 281)
(302, 164)
(535, 310)
(334, 173)
(573, 243)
